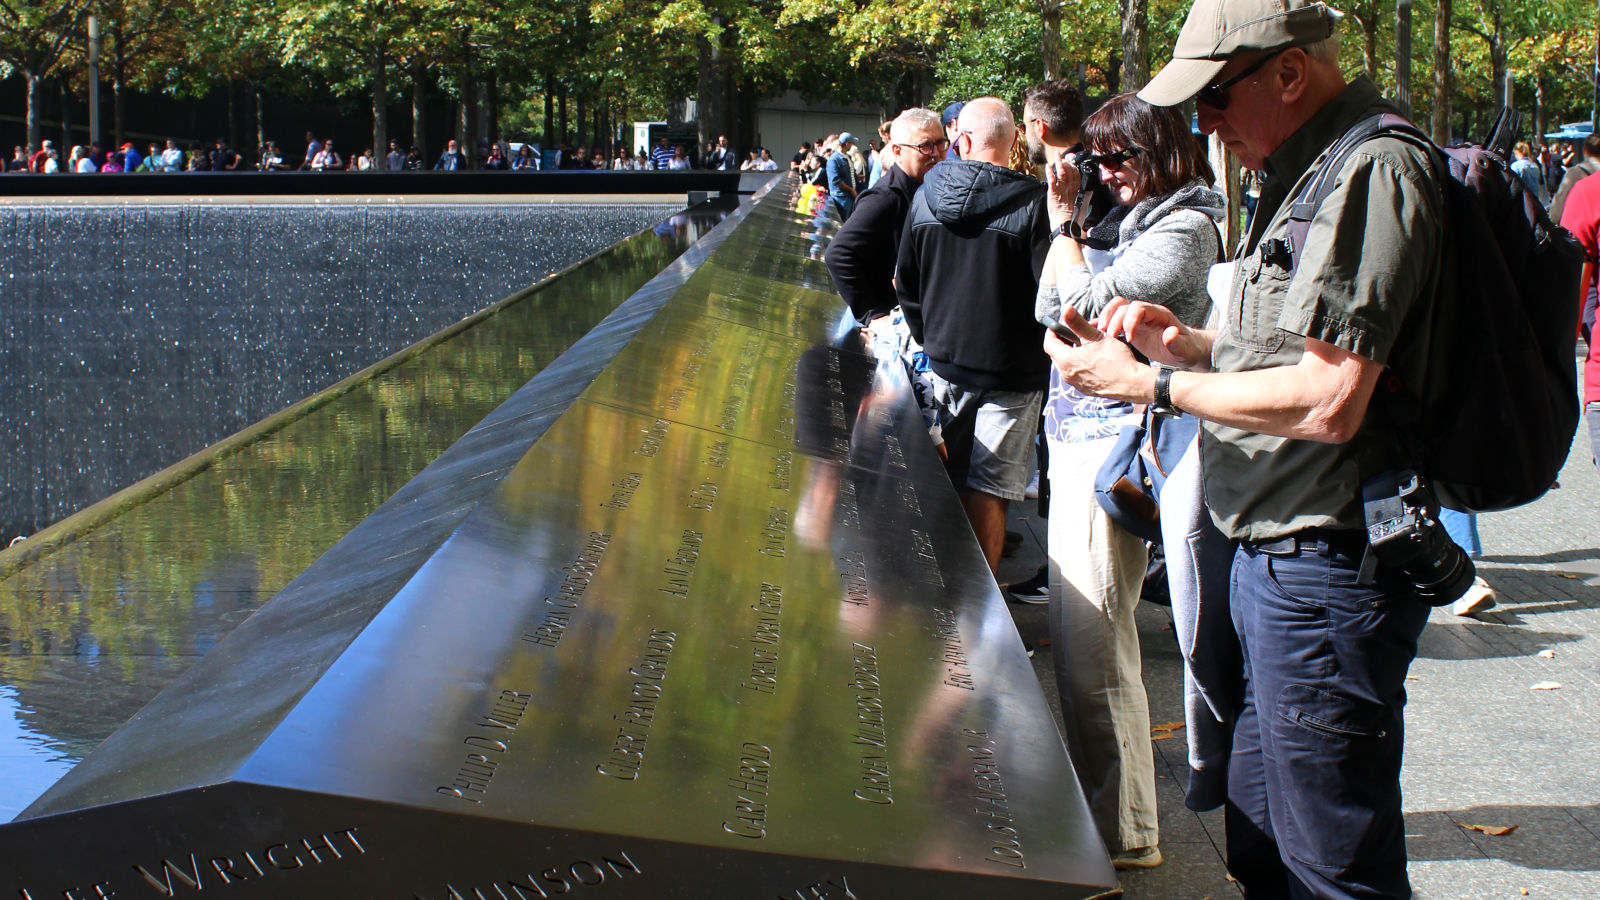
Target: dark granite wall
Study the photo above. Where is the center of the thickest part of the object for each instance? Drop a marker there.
(132, 336)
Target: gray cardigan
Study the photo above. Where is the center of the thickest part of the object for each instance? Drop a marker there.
(1165, 247)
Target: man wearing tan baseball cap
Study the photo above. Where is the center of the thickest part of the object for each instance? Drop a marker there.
(1308, 758)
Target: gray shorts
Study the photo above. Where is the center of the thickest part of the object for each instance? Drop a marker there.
(989, 436)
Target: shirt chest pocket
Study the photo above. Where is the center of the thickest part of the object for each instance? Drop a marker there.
(1258, 303)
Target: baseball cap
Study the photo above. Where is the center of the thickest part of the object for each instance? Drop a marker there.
(846, 137)
(952, 112)
(1217, 29)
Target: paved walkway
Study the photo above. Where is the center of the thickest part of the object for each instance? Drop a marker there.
(1483, 746)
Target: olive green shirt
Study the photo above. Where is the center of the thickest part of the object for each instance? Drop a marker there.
(1370, 256)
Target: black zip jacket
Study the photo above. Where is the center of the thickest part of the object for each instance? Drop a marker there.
(974, 244)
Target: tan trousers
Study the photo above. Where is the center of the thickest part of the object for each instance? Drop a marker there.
(1096, 569)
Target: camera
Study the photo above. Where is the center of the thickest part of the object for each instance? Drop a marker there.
(1404, 534)
(1093, 201)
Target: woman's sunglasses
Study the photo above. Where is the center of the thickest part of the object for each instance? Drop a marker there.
(1113, 161)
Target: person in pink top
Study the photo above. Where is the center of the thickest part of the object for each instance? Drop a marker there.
(1581, 216)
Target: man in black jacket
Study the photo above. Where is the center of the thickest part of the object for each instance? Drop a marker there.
(974, 244)
(862, 256)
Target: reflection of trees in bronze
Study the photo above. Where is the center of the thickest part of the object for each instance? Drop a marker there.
(129, 603)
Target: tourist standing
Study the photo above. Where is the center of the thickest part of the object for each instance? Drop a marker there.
(974, 242)
(451, 160)
(661, 156)
(395, 159)
(1164, 242)
(841, 174)
(313, 147)
(1283, 390)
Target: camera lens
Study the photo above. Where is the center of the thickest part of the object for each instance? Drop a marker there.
(1441, 571)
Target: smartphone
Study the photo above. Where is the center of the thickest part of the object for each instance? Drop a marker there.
(1063, 332)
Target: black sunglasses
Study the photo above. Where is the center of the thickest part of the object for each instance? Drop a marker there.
(1216, 95)
(1113, 161)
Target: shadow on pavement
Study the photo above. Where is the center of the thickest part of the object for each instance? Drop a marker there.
(1546, 837)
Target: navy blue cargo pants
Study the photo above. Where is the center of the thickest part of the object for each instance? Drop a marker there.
(1314, 777)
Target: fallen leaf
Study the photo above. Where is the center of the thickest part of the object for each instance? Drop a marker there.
(1495, 830)
(1568, 575)
(1522, 891)
(1413, 678)
(1547, 654)
(1546, 686)
(1164, 731)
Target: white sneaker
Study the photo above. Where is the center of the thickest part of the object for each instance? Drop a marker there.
(1032, 490)
(1478, 598)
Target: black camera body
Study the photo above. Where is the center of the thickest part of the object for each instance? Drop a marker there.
(1093, 200)
(1404, 534)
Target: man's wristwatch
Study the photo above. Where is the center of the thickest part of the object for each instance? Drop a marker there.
(1163, 402)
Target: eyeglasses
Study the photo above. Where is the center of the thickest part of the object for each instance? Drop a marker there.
(1216, 95)
(1114, 161)
(927, 147)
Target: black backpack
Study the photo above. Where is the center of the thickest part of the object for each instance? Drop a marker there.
(1493, 420)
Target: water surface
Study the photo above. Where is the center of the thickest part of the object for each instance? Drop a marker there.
(97, 626)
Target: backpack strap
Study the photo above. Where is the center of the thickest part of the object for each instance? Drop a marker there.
(1305, 205)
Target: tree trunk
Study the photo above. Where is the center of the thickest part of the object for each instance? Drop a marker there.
(1226, 167)
(1497, 64)
(1441, 73)
(1402, 56)
(419, 106)
(1369, 42)
(380, 105)
(548, 140)
(261, 118)
(706, 84)
(1135, 44)
(233, 119)
(469, 118)
(1113, 77)
(492, 102)
(119, 67)
(1050, 39)
(582, 119)
(66, 118)
(1540, 114)
(561, 115)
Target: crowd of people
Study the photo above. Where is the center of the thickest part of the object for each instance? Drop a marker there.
(1042, 327)
(323, 156)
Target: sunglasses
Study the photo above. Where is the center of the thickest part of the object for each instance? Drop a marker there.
(1113, 161)
(1216, 95)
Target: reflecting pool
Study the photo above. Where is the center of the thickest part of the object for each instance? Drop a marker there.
(98, 614)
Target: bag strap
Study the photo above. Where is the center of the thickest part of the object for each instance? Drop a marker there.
(1305, 205)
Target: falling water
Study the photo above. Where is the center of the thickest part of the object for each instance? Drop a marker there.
(136, 335)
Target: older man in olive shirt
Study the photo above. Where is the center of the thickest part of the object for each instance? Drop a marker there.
(1283, 389)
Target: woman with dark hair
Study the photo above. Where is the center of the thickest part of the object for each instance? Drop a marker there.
(1157, 243)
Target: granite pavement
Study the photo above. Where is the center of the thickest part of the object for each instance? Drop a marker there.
(1502, 726)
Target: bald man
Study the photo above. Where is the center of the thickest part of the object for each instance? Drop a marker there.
(974, 243)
